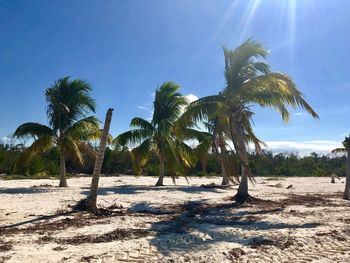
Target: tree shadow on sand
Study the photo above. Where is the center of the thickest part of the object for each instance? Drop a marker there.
(199, 226)
(24, 190)
(132, 189)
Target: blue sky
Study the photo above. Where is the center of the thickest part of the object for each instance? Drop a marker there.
(126, 49)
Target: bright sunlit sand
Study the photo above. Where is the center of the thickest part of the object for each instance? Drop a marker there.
(307, 222)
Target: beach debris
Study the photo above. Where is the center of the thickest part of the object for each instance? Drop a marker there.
(333, 176)
(213, 185)
(290, 186)
(234, 254)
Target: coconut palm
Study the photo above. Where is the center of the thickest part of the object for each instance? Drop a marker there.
(68, 104)
(249, 82)
(159, 134)
(346, 149)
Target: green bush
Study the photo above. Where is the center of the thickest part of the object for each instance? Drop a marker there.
(36, 165)
(152, 170)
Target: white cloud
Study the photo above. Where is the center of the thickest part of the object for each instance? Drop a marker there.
(191, 98)
(303, 147)
(298, 113)
(143, 108)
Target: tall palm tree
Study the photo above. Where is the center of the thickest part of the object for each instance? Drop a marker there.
(249, 82)
(346, 149)
(159, 134)
(68, 104)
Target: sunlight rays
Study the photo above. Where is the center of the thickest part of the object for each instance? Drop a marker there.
(247, 18)
(287, 11)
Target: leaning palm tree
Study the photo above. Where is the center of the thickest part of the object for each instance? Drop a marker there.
(68, 104)
(249, 82)
(158, 135)
(346, 149)
(92, 200)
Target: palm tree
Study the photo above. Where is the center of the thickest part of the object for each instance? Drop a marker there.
(346, 149)
(249, 82)
(99, 161)
(68, 104)
(217, 127)
(159, 134)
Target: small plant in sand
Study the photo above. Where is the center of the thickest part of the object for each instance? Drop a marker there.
(159, 134)
(249, 82)
(346, 149)
(68, 104)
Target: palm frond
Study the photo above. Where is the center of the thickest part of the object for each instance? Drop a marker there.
(68, 101)
(132, 137)
(274, 90)
(141, 123)
(72, 149)
(168, 103)
(84, 129)
(32, 129)
(44, 143)
(202, 109)
(339, 150)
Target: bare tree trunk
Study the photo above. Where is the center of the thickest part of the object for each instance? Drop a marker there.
(347, 183)
(161, 171)
(63, 179)
(92, 203)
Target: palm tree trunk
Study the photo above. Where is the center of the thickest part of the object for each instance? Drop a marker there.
(63, 179)
(223, 154)
(204, 165)
(92, 204)
(243, 185)
(241, 149)
(225, 180)
(347, 183)
(161, 171)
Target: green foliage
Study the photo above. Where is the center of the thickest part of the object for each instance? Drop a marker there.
(117, 161)
(36, 166)
(160, 135)
(292, 165)
(68, 102)
(152, 170)
(249, 82)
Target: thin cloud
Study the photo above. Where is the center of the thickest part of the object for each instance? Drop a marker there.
(143, 108)
(303, 147)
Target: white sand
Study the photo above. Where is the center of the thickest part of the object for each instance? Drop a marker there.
(310, 231)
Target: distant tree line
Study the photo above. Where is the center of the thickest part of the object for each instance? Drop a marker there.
(119, 161)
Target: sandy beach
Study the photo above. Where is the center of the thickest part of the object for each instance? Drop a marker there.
(176, 223)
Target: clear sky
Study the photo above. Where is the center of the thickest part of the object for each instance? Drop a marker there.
(126, 49)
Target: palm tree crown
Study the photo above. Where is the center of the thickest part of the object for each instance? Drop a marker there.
(68, 103)
(249, 81)
(159, 134)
